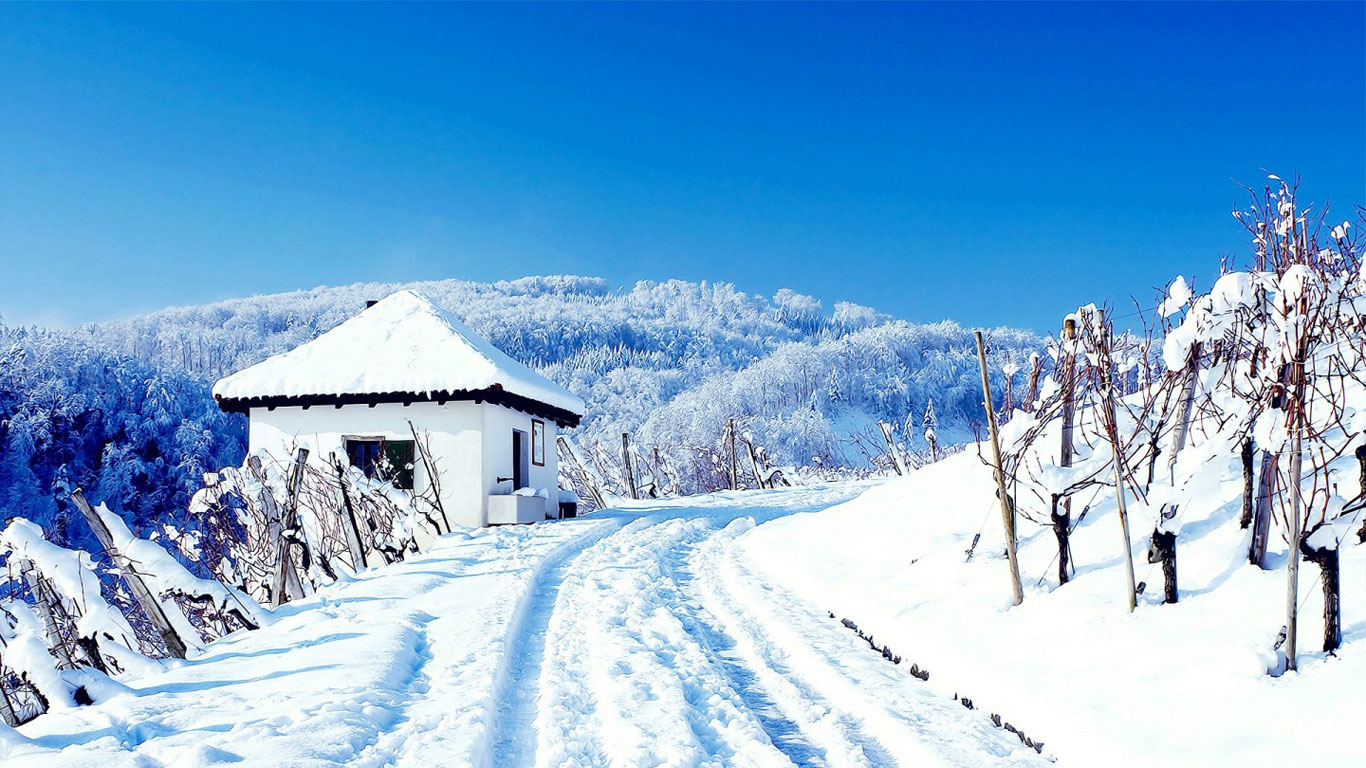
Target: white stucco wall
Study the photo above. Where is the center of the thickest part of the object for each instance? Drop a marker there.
(498, 423)
(471, 445)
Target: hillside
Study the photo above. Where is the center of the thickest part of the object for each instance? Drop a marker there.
(123, 407)
(1177, 685)
(629, 353)
(1187, 585)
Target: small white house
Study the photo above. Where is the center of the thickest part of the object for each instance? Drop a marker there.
(490, 422)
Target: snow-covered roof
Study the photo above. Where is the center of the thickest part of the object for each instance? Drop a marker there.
(402, 348)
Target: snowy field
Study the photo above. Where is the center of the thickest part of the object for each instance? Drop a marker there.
(1171, 685)
(640, 637)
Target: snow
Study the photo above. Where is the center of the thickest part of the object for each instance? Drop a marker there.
(164, 574)
(72, 575)
(25, 652)
(1233, 291)
(1177, 296)
(1174, 685)
(642, 636)
(404, 343)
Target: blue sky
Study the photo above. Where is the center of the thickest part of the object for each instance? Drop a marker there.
(989, 163)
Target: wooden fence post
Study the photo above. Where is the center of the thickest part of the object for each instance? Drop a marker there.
(1185, 405)
(734, 473)
(754, 464)
(1292, 586)
(1118, 461)
(1249, 484)
(151, 604)
(284, 564)
(1007, 515)
(353, 540)
(1068, 360)
(891, 446)
(42, 599)
(626, 465)
(584, 477)
(1035, 372)
(7, 712)
(1267, 479)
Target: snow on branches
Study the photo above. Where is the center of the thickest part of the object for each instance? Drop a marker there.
(1264, 372)
(244, 509)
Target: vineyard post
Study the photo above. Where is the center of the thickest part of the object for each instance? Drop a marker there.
(1007, 518)
(1118, 461)
(626, 465)
(153, 607)
(284, 564)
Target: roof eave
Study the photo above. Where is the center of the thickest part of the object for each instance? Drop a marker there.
(495, 394)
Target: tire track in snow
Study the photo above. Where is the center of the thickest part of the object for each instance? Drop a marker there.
(798, 719)
(513, 723)
(656, 694)
(784, 733)
(913, 723)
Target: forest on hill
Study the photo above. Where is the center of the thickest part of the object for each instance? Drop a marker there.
(123, 409)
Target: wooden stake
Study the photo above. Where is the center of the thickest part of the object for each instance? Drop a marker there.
(754, 464)
(1118, 461)
(891, 446)
(1292, 585)
(1249, 485)
(1186, 404)
(568, 451)
(284, 564)
(7, 711)
(42, 601)
(353, 540)
(626, 465)
(176, 646)
(1032, 394)
(1007, 518)
(734, 473)
(1261, 513)
(1069, 401)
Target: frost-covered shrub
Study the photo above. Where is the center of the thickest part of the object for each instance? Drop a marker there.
(245, 508)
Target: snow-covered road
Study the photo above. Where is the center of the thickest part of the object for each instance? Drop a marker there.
(637, 637)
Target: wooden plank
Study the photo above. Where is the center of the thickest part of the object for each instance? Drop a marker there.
(1007, 515)
(176, 646)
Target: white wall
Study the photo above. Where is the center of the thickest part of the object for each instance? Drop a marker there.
(498, 423)
(471, 445)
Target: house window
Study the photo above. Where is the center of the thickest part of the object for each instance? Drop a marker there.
(390, 460)
(538, 442)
